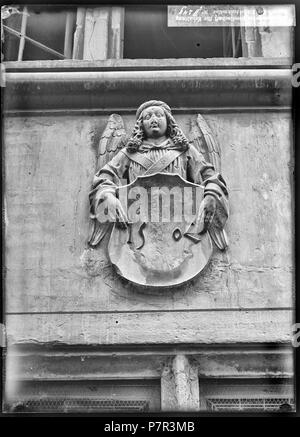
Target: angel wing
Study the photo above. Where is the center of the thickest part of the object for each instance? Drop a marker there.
(205, 142)
(112, 140)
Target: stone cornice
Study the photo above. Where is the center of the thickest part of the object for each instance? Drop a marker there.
(70, 364)
(126, 89)
(146, 64)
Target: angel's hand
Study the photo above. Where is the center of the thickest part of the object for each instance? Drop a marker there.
(113, 211)
(209, 209)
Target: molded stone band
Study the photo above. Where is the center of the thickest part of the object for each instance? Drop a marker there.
(107, 90)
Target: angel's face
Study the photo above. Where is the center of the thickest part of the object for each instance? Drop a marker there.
(154, 122)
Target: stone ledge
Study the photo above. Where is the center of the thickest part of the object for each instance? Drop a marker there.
(169, 63)
(73, 365)
(104, 90)
(205, 327)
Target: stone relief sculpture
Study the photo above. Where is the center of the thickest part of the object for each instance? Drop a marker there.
(160, 196)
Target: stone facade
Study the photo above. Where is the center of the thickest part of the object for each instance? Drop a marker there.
(66, 323)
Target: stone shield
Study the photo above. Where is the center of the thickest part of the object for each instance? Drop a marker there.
(161, 245)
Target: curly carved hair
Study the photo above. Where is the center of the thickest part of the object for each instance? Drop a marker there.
(173, 132)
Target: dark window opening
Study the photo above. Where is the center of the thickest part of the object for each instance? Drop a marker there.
(147, 35)
(248, 395)
(46, 25)
(86, 396)
(38, 32)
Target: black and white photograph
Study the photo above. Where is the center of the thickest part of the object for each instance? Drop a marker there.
(148, 212)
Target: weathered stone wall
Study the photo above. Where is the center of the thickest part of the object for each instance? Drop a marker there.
(49, 165)
(277, 41)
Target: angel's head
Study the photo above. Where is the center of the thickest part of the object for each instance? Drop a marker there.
(154, 119)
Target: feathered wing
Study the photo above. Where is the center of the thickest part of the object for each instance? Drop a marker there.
(205, 142)
(112, 140)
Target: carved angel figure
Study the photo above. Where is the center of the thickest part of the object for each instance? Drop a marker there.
(157, 144)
